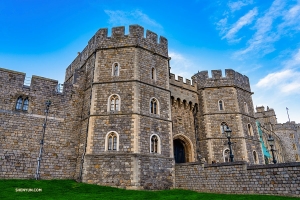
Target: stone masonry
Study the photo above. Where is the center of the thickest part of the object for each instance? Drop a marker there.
(124, 120)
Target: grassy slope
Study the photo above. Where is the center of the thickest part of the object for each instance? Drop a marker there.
(69, 189)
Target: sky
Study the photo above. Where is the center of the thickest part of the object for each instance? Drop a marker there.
(260, 39)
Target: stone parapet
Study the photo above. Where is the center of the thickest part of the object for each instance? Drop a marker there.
(232, 78)
(118, 39)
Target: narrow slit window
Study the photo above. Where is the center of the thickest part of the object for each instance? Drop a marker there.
(221, 106)
(154, 144)
(116, 69)
(154, 106)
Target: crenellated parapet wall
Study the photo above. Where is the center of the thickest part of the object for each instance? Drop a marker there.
(118, 39)
(14, 80)
(288, 126)
(232, 78)
(179, 83)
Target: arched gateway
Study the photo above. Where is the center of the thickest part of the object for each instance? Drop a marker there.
(183, 149)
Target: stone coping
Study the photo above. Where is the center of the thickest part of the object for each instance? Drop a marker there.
(43, 78)
(12, 71)
(279, 165)
(214, 165)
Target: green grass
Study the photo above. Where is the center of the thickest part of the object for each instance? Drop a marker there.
(69, 189)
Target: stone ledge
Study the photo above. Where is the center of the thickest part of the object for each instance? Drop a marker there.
(280, 165)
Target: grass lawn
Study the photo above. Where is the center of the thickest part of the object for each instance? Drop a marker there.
(69, 189)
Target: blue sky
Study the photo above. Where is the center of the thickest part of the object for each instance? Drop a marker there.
(260, 39)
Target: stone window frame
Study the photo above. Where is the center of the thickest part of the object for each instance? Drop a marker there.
(246, 107)
(153, 73)
(227, 149)
(158, 144)
(221, 105)
(222, 127)
(115, 72)
(255, 157)
(157, 106)
(112, 133)
(250, 129)
(22, 103)
(109, 103)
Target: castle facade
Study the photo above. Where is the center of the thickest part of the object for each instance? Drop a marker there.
(122, 118)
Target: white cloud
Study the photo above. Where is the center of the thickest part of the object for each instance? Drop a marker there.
(268, 31)
(237, 5)
(181, 65)
(119, 17)
(286, 80)
(243, 21)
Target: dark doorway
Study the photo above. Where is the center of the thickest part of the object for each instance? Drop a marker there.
(179, 153)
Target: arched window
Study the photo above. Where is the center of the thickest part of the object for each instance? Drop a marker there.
(154, 144)
(19, 103)
(114, 103)
(115, 69)
(221, 105)
(153, 73)
(255, 157)
(22, 103)
(245, 107)
(223, 127)
(250, 130)
(154, 106)
(25, 104)
(226, 155)
(112, 141)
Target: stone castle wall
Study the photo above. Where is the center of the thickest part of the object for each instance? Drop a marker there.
(279, 179)
(21, 131)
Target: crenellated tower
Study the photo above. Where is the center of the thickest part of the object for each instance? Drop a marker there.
(129, 129)
(227, 101)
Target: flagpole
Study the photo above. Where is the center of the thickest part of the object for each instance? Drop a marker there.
(287, 111)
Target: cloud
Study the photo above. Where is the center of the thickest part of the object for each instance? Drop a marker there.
(237, 5)
(181, 65)
(278, 21)
(243, 21)
(286, 80)
(119, 17)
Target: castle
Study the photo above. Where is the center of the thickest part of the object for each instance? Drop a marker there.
(124, 120)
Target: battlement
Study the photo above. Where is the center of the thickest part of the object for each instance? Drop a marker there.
(118, 39)
(232, 78)
(288, 126)
(13, 79)
(179, 83)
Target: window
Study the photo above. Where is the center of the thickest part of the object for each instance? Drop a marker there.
(114, 103)
(22, 104)
(112, 141)
(153, 73)
(25, 104)
(255, 157)
(250, 130)
(294, 147)
(115, 69)
(221, 105)
(226, 155)
(154, 144)
(246, 107)
(223, 127)
(154, 106)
